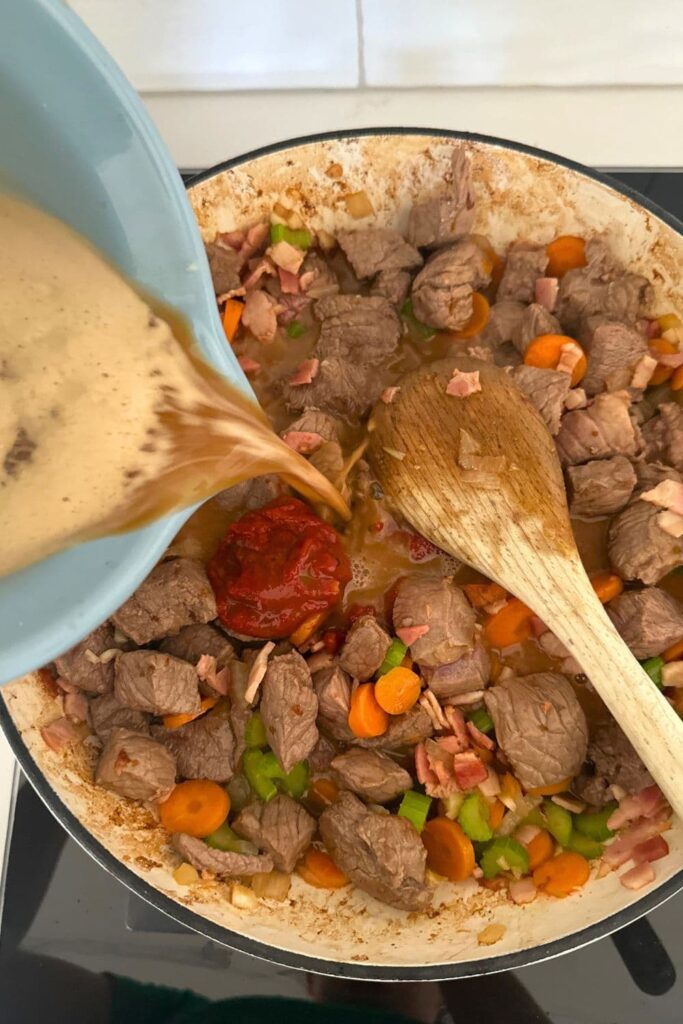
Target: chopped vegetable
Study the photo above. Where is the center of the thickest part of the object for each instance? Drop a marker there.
(545, 352)
(566, 253)
(503, 854)
(668, 322)
(415, 807)
(662, 372)
(677, 379)
(295, 329)
(272, 885)
(449, 851)
(397, 690)
(176, 721)
(239, 792)
(358, 205)
(588, 848)
(653, 667)
(307, 628)
(186, 874)
(255, 732)
(322, 793)
(232, 314)
(318, 869)
(552, 789)
(607, 586)
(414, 325)
(259, 780)
(479, 319)
(243, 897)
(452, 803)
(562, 875)
(298, 237)
(558, 821)
(481, 719)
(496, 813)
(295, 782)
(263, 770)
(474, 818)
(511, 625)
(480, 595)
(674, 652)
(491, 934)
(510, 791)
(366, 717)
(224, 838)
(197, 807)
(593, 824)
(540, 848)
(394, 656)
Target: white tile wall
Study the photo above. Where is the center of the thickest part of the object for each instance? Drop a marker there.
(167, 45)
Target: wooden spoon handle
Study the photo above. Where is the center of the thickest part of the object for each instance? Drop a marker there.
(647, 718)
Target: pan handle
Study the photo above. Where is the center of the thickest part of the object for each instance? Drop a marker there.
(645, 958)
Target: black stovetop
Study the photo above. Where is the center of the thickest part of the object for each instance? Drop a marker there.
(66, 921)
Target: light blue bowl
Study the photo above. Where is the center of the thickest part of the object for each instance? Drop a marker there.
(75, 138)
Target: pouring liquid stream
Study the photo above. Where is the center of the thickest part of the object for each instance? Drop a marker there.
(108, 417)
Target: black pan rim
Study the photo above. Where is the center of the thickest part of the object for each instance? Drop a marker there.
(299, 961)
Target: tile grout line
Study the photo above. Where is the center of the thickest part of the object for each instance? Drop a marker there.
(360, 36)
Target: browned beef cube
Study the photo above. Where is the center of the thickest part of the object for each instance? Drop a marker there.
(439, 221)
(611, 761)
(107, 714)
(392, 285)
(175, 594)
(442, 291)
(289, 708)
(546, 390)
(224, 264)
(470, 672)
(600, 488)
(220, 863)
(81, 665)
(356, 327)
(535, 320)
(524, 264)
(194, 641)
(370, 250)
(203, 749)
(333, 688)
(364, 648)
(648, 620)
(613, 351)
(435, 602)
(135, 766)
(602, 430)
(157, 683)
(504, 321)
(341, 387)
(663, 435)
(638, 547)
(404, 731)
(282, 828)
(371, 775)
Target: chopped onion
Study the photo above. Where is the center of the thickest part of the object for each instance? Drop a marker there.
(491, 934)
(491, 785)
(186, 874)
(325, 239)
(273, 885)
(358, 205)
(242, 897)
(570, 803)
(516, 816)
(526, 833)
(670, 522)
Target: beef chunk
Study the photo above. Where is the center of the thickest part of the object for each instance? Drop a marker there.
(540, 727)
(650, 474)
(289, 708)
(370, 250)
(613, 351)
(175, 594)
(250, 494)
(546, 390)
(107, 714)
(135, 766)
(340, 387)
(203, 749)
(157, 683)
(364, 648)
(322, 755)
(663, 435)
(392, 285)
(194, 641)
(381, 853)
(314, 421)
(524, 264)
(638, 548)
(470, 672)
(504, 320)
(601, 287)
(372, 776)
(225, 264)
(648, 620)
(599, 431)
(535, 320)
(600, 488)
(404, 731)
(333, 688)
(77, 668)
(356, 327)
(281, 827)
(442, 291)
(319, 277)
(329, 460)
(611, 761)
(436, 602)
(219, 862)
(439, 221)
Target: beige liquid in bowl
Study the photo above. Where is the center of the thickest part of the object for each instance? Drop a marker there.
(107, 419)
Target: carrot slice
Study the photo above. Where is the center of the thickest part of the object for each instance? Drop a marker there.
(540, 849)
(511, 625)
(479, 319)
(668, 322)
(496, 812)
(481, 594)
(607, 586)
(677, 379)
(545, 351)
(232, 314)
(551, 790)
(397, 690)
(307, 628)
(566, 253)
(510, 789)
(662, 373)
(175, 721)
(366, 717)
(561, 875)
(449, 851)
(197, 807)
(318, 869)
(674, 653)
(322, 793)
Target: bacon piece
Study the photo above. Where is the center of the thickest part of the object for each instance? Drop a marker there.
(639, 805)
(545, 292)
(490, 787)
(431, 705)
(304, 441)
(671, 523)
(260, 315)
(409, 634)
(305, 372)
(257, 672)
(674, 359)
(639, 876)
(576, 399)
(642, 372)
(456, 723)
(59, 734)
(479, 737)
(288, 282)
(425, 775)
(232, 239)
(76, 707)
(651, 849)
(462, 384)
(570, 354)
(621, 849)
(256, 271)
(668, 494)
(248, 365)
(469, 770)
(218, 681)
(523, 890)
(389, 394)
(287, 256)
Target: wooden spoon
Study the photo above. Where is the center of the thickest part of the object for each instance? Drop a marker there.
(514, 527)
